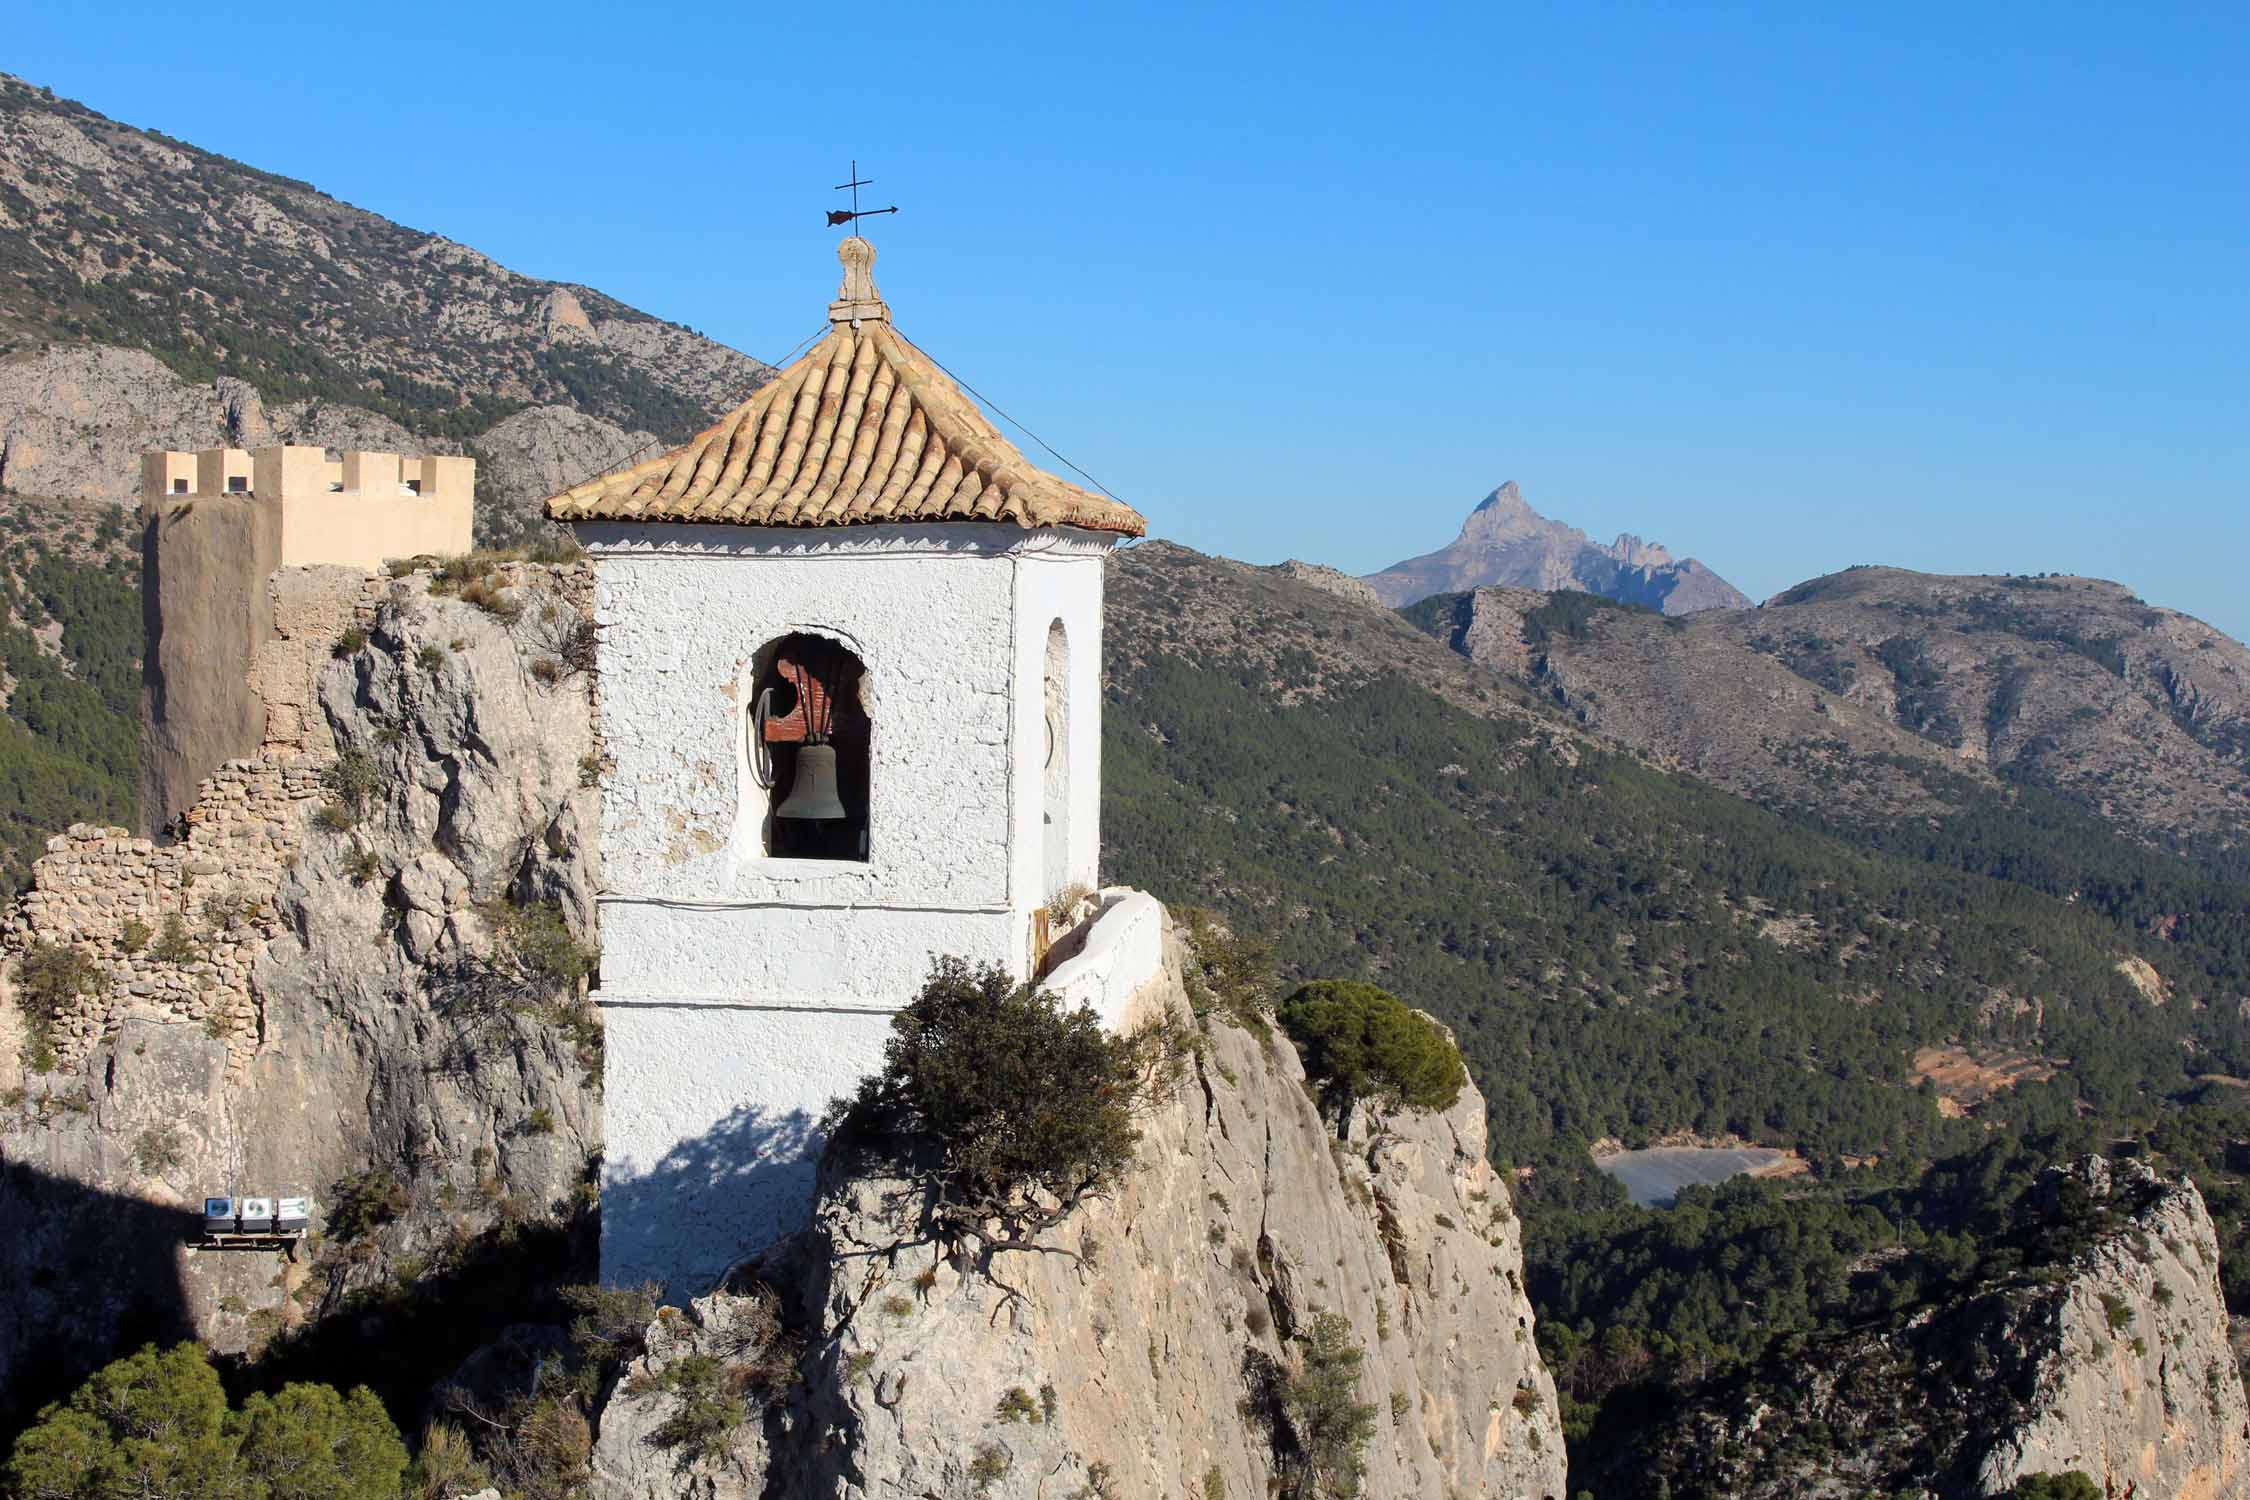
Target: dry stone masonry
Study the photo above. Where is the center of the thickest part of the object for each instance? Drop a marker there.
(311, 1038)
(114, 896)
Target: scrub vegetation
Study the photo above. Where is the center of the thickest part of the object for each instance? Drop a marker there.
(1623, 955)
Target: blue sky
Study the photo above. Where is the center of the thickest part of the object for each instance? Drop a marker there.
(1788, 287)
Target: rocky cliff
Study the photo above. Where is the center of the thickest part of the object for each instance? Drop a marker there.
(1505, 541)
(2106, 1355)
(333, 984)
(359, 973)
(1134, 1351)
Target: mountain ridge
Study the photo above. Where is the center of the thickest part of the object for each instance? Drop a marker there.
(1877, 693)
(155, 295)
(1505, 541)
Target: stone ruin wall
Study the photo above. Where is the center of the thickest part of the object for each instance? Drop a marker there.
(219, 878)
(243, 831)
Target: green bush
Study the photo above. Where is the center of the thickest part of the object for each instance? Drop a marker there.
(1229, 972)
(709, 1404)
(174, 945)
(1331, 1425)
(160, 1149)
(157, 1425)
(539, 939)
(989, 1467)
(1024, 1100)
(354, 780)
(1359, 1042)
(2073, 1485)
(447, 1467)
(610, 1328)
(711, 1396)
(364, 1203)
(51, 976)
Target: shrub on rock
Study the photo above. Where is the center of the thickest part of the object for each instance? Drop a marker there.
(1029, 1106)
(1359, 1042)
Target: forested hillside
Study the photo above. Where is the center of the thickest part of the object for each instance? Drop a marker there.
(70, 652)
(1626, 953)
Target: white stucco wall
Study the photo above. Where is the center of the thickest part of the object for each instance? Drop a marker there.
(1065, 584)
(742, 992)
(1123, 951)
(711, 1115)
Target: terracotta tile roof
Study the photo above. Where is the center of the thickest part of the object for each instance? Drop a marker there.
(864, 428)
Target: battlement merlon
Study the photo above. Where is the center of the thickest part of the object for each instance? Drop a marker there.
(358, 511)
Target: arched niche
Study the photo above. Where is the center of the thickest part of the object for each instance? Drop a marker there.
(808, 692)
(1054, 782)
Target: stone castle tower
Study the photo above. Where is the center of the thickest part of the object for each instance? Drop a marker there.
(851, 704)
(219, 528)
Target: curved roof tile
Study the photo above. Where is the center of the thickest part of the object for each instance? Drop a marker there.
(864, 428)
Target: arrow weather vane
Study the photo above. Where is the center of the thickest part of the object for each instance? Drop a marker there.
(838, 216)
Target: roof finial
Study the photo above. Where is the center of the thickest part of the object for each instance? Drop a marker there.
(855, 213)
(857, 301)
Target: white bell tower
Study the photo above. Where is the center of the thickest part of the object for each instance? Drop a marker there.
(851, 707)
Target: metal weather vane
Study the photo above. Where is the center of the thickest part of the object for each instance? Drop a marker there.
(838, 216)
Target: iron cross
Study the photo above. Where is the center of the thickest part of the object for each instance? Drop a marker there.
(838, 216)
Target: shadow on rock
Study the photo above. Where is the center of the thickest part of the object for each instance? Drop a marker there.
(709, 1202)
(89, 1276)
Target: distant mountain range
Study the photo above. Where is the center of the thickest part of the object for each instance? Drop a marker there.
(1877, 694)
(1505, 541)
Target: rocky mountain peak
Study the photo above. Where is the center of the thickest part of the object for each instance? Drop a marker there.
(1504, 507)
(1631, 550)
(1506, 542)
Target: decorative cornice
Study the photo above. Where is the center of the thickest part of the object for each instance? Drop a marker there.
(630, 539)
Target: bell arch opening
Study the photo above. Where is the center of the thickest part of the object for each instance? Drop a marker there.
(1054, 779)
(809, 736)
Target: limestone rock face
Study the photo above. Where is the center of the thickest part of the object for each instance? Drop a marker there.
(542, 451)
(2118, 1368)
(74, 421)
(2138, 1386)
(1880, 694)
(1334, 580)
(350, 1049)
(1121, 1357)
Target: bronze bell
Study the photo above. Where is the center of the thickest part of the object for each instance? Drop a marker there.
(812, 794)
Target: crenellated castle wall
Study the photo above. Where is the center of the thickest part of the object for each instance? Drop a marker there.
(219, 528)
(248, 591)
